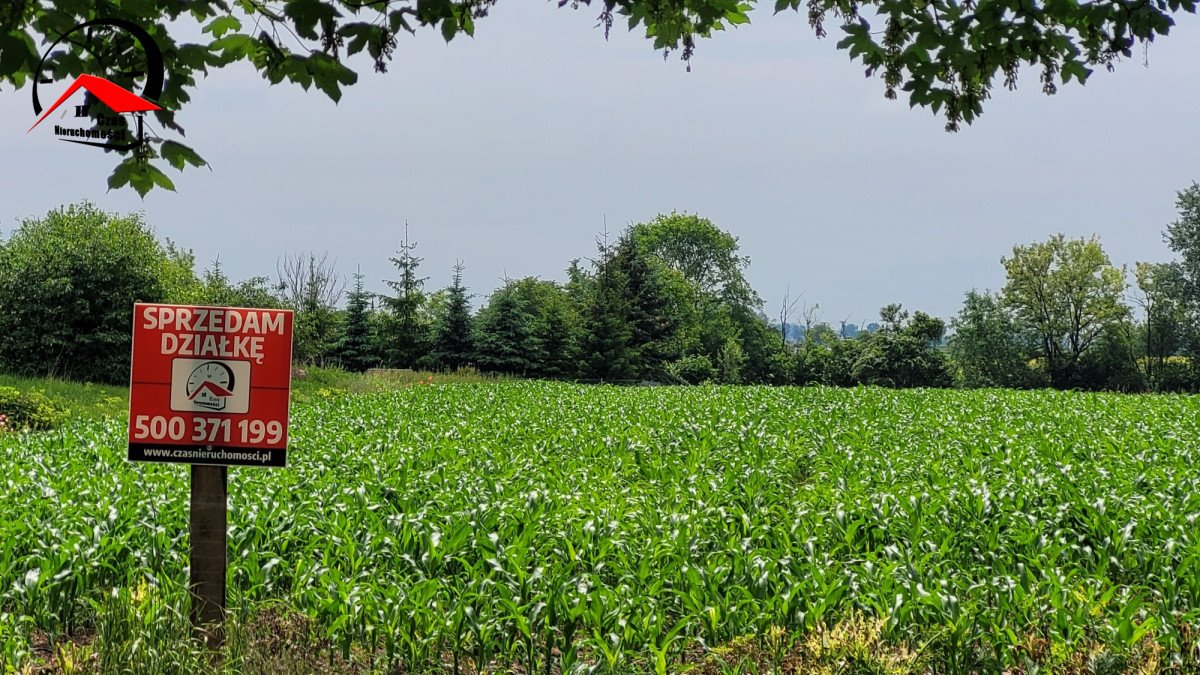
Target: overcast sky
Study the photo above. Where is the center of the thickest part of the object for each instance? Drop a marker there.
(509, 150)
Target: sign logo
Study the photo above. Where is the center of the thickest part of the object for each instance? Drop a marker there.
(210, 385)
(126, 54)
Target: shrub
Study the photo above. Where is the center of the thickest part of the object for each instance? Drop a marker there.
(694, 369)
(32, 410)
(67, 285)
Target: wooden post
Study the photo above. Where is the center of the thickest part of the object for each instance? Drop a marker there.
(208, 532)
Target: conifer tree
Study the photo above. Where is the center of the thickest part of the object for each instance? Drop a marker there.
(453, 344)
(354, 349)
(405, 336)
(652, 320)
(506, 341)
(607, 333)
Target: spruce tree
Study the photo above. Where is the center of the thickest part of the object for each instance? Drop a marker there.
(506, 341)
(607, 333)
(355, 348)
(652, 321)
(453, 344)
(405, 336)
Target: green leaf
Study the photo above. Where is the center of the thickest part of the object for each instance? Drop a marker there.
(159, 178)
(121, 174)
(306, 14)
(179, 155)
(449, 28)
(222, 25)
(359, 34)
(232, 47)
(737, 18)
(138, 173)
(17, 53)
(329, 74)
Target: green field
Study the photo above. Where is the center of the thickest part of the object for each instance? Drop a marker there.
(537, 527)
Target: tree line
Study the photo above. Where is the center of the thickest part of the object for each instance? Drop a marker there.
(662, 301)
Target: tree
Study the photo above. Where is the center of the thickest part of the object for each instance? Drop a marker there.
(1183, 236)
(703, 253)
(555, 325)
(404, 335)
(308, 278)
(506, 341)
(767, 361)
(355, 349)
(653, 316)
(605, 326)
(67, 287)
(988, 347)
(946, 56)
(215, 289)
(452, 339)
(1162, 333)
(730, 362)
(903, 352)
(1066, 292)
(310, 286)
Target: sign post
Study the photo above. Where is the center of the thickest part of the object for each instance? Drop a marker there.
(210, 387)
(207, 561)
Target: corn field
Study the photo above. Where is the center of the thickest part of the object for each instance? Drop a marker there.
(553, 528)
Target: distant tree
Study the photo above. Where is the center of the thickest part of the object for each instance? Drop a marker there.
(317, 322)
(453, 344)
(214, 288)
(731, 361)
(1067, 292)
(691, 369)
(606, 331)
(903, 353)
(404, 336)
(767, 360)
(989, 348)
(706, 255)
(1183, 236)
(67, 287)
(653, 313)
(786, 309)
(1111, 363)
(555, 325)
(356, 348)
(1163, 332)
(309, 278)
(506, 340)
(310, 285)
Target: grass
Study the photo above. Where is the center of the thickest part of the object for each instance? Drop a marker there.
(92, 401)
(534, 527)
(98, 401)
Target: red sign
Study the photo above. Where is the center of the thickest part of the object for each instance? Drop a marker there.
(210, 385)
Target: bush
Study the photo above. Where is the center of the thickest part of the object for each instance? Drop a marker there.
(67, 285)
(694, 369)
(1176, 375)
(32, 410)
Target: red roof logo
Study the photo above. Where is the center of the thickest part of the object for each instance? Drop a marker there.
(117, 98)
(213, 390)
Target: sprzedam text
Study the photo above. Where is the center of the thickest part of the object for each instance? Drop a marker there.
(192, 331)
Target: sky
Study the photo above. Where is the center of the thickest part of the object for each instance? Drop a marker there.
(512, 150)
